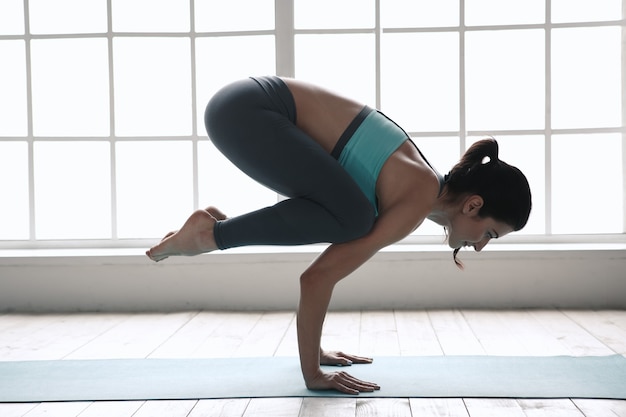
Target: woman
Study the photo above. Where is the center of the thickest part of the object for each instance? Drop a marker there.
(354, 179)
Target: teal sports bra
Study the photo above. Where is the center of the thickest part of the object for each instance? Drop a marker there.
(366, 145)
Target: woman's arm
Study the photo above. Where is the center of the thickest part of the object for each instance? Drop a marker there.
(316, 287)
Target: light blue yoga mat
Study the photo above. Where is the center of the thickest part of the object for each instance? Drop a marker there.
(433, 376)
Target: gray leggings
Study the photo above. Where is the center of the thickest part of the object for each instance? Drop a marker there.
(253, 123)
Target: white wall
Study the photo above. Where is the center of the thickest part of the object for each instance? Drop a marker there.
(518, 276)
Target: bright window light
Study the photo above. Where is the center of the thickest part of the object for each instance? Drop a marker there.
(13, 116)
(150, 15)
(509, 12)
(73, 190)
(419, 13)
(11, 17)
(70, 87)
(586, 10)
(505, 86)
(14, 212)
(234, 15)
(333, 14)
(421, 97)
(587, 189)
(586, 77)
(152, 86)
(67, 16)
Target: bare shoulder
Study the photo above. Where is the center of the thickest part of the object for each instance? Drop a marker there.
(407, 186)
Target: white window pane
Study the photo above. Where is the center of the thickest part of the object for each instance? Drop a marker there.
(14, 212)
(72, 190)
(500, 12)
(68, 16)
(505, 79)
(326, 14)
(419, 13)
(239, 57)
(220, 15)
(344, 63)
(70, 87)
(420, 89)
(154, 187)
(586, 78)
(442, 153)
(13, 121)
(150, 15)
(224, 186)
(152, 86)
(528, 154)
(12, 17)
(586, 10)
(587, 186)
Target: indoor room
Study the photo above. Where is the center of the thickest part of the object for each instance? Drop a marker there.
(121, 144)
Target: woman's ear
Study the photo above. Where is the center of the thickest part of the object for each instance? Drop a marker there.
(473, 204)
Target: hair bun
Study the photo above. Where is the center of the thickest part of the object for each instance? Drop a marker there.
(492, 148)
(487, 150)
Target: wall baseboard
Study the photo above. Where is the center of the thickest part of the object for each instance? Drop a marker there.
(399, 278)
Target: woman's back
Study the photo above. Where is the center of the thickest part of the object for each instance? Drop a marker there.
(322, 114)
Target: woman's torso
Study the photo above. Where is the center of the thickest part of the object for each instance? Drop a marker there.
(324, 116)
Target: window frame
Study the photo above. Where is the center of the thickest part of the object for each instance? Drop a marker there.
(285, 34)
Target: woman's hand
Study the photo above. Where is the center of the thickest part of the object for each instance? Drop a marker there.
(340, 381)
(341, 359)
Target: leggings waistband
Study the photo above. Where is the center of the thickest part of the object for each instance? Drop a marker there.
(278, 91)
(347, 134)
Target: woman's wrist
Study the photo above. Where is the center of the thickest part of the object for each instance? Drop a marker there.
(311, 375)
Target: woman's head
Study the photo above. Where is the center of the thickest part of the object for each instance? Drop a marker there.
(490, 188)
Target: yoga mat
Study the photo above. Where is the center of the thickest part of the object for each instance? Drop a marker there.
(433, 376)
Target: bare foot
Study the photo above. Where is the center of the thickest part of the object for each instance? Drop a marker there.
(195, 237)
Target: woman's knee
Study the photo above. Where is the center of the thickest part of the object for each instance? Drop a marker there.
(227, 107)
(216, 115)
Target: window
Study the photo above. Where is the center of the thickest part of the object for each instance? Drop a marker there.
(101, 102)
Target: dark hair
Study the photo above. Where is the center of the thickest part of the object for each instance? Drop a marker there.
(503, 188)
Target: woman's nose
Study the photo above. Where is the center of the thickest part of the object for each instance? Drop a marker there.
(480, 245)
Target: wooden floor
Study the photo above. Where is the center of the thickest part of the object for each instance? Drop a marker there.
(385, 333)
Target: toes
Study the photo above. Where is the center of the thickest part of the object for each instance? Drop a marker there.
(152, 256)
(155, 253)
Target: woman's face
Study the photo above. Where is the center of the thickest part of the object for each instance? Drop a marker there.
(467, 228)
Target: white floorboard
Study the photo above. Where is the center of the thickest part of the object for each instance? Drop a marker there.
(373, 333)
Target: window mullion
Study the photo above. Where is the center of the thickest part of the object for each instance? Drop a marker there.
(624, 115)
(378, 35)
(113, 158)
(29, 119)
(284, 34)
(194, 108)
(548, 118)
(462, 122)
